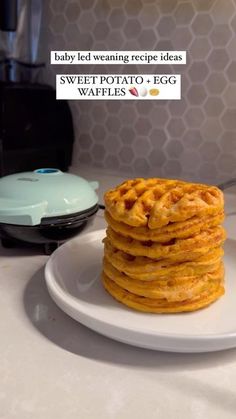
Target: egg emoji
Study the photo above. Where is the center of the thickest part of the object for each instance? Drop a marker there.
(143, 91)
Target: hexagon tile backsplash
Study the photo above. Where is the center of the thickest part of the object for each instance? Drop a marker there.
(194, 138)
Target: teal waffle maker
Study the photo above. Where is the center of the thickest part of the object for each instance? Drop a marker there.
(45, 207)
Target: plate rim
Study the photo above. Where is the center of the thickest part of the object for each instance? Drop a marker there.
(56, 292)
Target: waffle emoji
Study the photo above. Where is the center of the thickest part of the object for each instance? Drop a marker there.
(163, 246)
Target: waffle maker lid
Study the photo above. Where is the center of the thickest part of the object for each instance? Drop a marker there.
(28, 198)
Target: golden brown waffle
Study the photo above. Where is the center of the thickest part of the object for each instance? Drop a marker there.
(172, 289)
(180, 230)
(176, 249)
(151, 305)
(146, 269)
(157, 202)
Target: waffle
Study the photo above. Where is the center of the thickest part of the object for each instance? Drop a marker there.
(177, 249)
(162, 251)
(180, 230)
(151, 305)
(179, 289)
(157, 202)
(146, 269)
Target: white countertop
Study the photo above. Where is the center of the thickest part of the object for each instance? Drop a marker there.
(53, 367)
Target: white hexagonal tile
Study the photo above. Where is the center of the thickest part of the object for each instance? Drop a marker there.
(117, 18)
(190, 160)
(211, 129)
(57, 6)
(111, 162)
(132, 28)
(216, 83)
(200, 48)
(112, 144)
(86, 21)
(133, 8)
(99, 133)
(214, 106)
(196, 94)
(229, 96)
(143, 126)
(127, 135)
(194, 117)
(192, 139)
(141, 166)
(157, 158)
(184, 13)
(203, 5)
(115, 40)
(198, 71)
(141, 146)
(175, 127)
(172, 169)
(85, 141)
(149, 15)
(101, 30)
(174, 149)
(98, 152)
(126, 155)
(147, 39)
(128, 114)
(220, 35)
(166, 25)
(72, 11)
(228, 119)
(177, 107)
(158, 138)
(222, 12)
(113, 124)
(181, 38)
(228, 143)
(58, 24)
(226, 163)
(231, 71)
(209, 151)
(202, 24)
(218, 59)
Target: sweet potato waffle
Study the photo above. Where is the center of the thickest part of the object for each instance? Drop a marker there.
(175, 249)
(178, 289)
(157, 202)
(151, 305)
(179, 230)
(162, 251)
(147, 269)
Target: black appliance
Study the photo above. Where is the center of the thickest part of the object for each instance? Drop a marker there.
(35, 128)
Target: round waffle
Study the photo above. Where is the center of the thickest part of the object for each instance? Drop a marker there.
(146, 269)
(176, 249)
(151, 305)
(157, 202)
(172, 289)
(180, 230)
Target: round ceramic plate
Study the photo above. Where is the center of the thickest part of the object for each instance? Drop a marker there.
(73, 281)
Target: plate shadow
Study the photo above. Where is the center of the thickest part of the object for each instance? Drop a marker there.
(71, 336)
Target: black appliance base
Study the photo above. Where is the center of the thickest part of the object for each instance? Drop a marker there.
(46, 248)
(52, 231)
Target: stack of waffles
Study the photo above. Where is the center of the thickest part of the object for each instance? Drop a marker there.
(163, 246)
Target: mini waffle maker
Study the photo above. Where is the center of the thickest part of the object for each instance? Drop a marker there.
(45, 207)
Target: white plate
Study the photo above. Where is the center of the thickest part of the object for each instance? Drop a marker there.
(73, 280)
